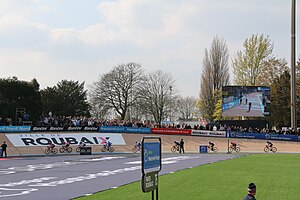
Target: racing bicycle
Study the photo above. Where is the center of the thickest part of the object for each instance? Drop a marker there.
(51, 150)
(268, 148)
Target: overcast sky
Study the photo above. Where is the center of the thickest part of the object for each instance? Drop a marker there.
(81, 39)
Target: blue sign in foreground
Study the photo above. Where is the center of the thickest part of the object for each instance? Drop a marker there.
(151, 155)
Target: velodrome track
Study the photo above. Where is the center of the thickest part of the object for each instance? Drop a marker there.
(29, 174)
(67, 177)
(192, 144)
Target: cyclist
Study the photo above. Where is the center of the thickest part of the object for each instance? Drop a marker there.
(269, 144)
(51, 146)
(107, 143)
(233, 144)
(138, 145)
(81, 144)
(66, 144)
(211, 145)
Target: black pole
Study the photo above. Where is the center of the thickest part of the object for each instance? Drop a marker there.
(293, 67)
(152, 195)
(157, 193)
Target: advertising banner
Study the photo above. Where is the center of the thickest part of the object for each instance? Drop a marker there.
(151, 155)
(23, 140)
(123, 129)
(171, 131)
(262, 136)
(61, 128)
(14, 129)
(209, 133)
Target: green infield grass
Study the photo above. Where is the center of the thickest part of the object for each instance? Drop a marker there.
(277, 177)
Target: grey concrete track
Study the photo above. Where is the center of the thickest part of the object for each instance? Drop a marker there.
(67, 177)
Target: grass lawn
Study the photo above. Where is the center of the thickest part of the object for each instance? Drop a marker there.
(277, 176)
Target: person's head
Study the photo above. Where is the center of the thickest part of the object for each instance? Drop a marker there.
(4, 142)
(181, 139)
(252, 189)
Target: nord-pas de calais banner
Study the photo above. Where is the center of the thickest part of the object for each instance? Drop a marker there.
(60, 128)
(21, 140)
(14, 129)
(209, 133)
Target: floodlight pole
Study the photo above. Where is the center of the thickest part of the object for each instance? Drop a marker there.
(293, 67)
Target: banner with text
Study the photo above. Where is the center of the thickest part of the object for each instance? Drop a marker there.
(209, 133)
(262, 136)
(14, 129)
(62, 128)
(123, 129)
(21, 140)
(171, 131)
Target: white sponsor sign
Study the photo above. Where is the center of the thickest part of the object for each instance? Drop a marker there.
(21, 140)
(209, 133)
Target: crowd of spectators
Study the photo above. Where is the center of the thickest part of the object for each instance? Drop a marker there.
(63, 121)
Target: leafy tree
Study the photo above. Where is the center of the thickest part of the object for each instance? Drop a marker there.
(272, 69)
(118, 89)
(215, 74)
(16, 94)
(157, 95)
(280, 101)
(248, 64)
(67, 98)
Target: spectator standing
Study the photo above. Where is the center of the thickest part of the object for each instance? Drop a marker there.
(4, 147)
(251, 192)
(181, 146)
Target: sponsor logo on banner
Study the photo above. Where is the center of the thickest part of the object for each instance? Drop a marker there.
(209, 133)
(21, 140)
(172, 131)
(60, 128)
(11, 129)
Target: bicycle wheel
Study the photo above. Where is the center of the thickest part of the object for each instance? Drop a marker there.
(111, 149)
(237, 149)
(103, 149)
(69, 150)
(54, 151)
(47, 151)
(266, 149)
(215, 150)
(78, 149)
(134, 149)
(62, 150)
(274, 149)
(173, 149)
(230, 149)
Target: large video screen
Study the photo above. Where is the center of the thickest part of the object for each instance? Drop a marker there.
(252, 101)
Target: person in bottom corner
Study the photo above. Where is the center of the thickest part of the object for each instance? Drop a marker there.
(181, 146)
(4, 147)
(251, 192)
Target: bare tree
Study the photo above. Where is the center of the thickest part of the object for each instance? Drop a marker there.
(248, 64)
(157, 95)
(186, 107)
(215, 74)
(118, 89)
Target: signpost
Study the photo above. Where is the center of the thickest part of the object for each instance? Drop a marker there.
(151, 164)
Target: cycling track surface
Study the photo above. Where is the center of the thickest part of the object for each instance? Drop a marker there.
(243, 108)
(67, 177)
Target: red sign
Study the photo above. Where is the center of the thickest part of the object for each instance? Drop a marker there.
(171, 131)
